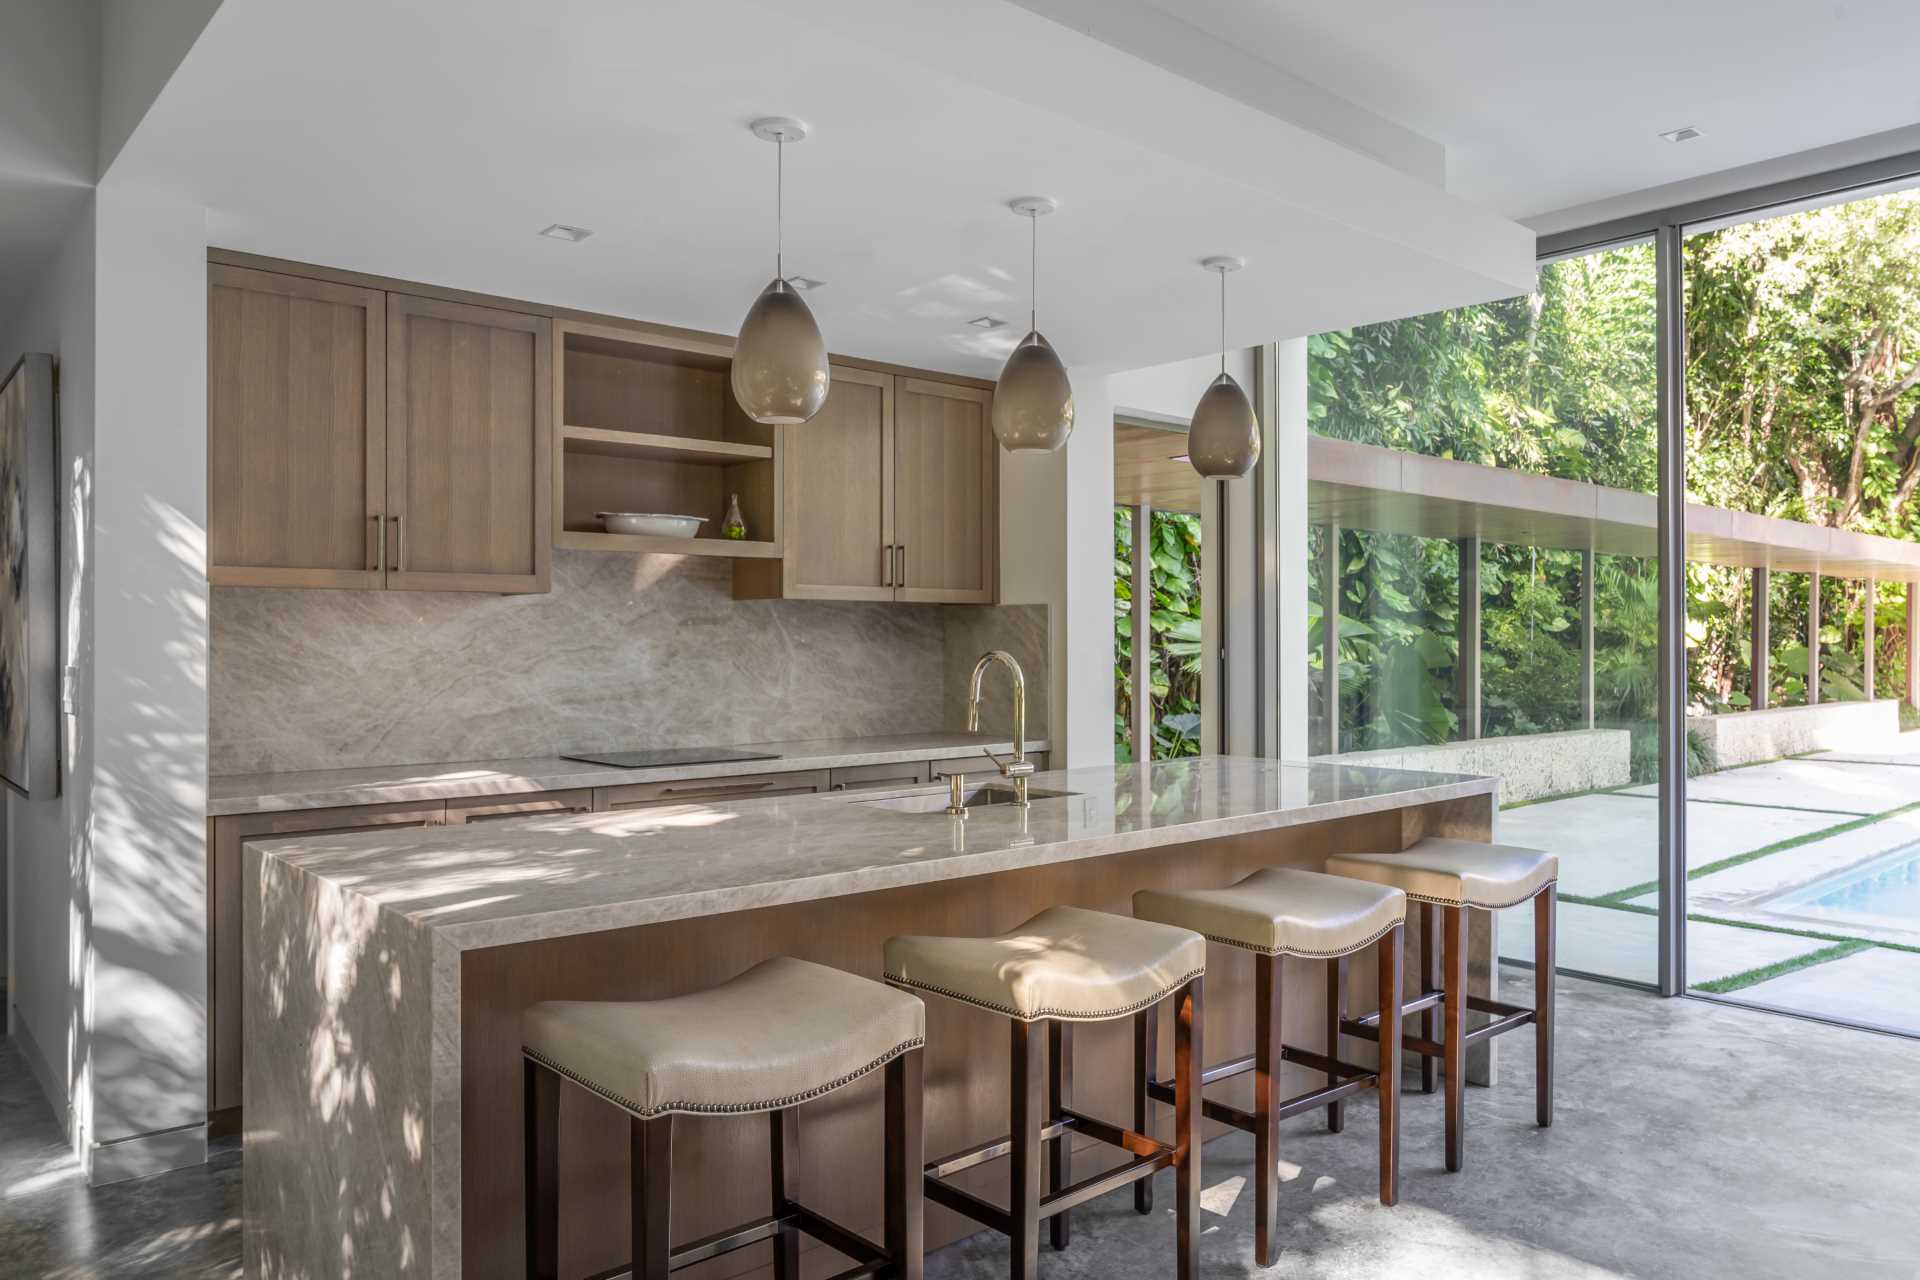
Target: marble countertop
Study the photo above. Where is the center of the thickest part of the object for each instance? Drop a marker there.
(386, 784)
(518, 881)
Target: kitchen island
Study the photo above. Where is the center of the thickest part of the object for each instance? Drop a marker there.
(386, 973)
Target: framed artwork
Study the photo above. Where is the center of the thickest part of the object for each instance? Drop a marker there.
(29, 581)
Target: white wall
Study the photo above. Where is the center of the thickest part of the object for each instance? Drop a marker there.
(147, 990)
(141, 45)
(47, 839)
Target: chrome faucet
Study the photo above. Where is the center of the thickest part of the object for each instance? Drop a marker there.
(1016, 766)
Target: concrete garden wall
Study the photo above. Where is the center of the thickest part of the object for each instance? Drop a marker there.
(1744, 737)
(1529, 765)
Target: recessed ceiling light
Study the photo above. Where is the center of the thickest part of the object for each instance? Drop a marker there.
(986, 322)
(1685, 134)
(561, 231)
(804, 284)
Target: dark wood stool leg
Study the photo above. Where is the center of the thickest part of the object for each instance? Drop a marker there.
(651, 1142)
(542, 1117)
(1336, 1010)
(1543, 983)
(1455, 1009)
(1189, 1059)
(1429, 979)
(906, 1158)
(784, 1147)
(1146, 1059)
(1389, 949)
(1059, 1097)
(1029, 1082)
(1267, 1097)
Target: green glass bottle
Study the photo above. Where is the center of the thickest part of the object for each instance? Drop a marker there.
(733, 526)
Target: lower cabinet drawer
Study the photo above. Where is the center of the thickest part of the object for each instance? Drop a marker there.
(745, 786)
(866, 777)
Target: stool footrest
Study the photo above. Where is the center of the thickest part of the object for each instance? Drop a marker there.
(792, 1217)
(1358, 1080)
(1150, 1155)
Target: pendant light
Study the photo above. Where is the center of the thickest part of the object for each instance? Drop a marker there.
(1224, 439)
(780, 372)
(1033, 401)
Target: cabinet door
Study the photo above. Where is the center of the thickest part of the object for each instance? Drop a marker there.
(469, 453)
(945, 520)
(742, 786)
(838, 507)
(225, 1033)
(295, 431)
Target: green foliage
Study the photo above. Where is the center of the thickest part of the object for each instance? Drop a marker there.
(1174, 620)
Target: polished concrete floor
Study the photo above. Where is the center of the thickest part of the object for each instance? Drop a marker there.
(1691, 1139)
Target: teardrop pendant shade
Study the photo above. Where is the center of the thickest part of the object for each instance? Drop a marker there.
(1225, 437)
(780, 374)
(1033, 401)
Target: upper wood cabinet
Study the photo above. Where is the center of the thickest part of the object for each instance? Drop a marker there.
(360, 438)
(296, 431)
(469, 447)
(889, 494)
(945, 523)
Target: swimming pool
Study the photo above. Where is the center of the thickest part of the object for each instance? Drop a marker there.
(1885, 894)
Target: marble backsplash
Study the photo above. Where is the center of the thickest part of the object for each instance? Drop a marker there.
(623, 653)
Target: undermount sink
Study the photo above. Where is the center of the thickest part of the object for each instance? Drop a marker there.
(984, 795)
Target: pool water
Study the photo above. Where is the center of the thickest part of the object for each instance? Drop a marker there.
(1885, 892)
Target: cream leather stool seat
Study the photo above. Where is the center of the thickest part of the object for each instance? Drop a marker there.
(784, 1031)
(1456, 873)
(1067, 964)
(1282, 911)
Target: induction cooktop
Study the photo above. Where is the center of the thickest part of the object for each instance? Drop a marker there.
(666, 757)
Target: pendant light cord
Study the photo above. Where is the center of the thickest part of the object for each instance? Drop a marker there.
(1223, 322)
(1033, 272)
(779, 207)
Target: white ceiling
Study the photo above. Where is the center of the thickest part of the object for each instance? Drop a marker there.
(430, 140)
(1546, 105)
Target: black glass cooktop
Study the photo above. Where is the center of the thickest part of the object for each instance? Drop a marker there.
(669, 756)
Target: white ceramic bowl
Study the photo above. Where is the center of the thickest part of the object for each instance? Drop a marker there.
(655, 526)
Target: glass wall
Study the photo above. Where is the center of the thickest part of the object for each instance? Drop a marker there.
(1165, 579)
(1803, 410)
(1489, 619)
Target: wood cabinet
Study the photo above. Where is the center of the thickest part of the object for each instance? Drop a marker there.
(945, 523)
(296, 431)
(225, 1030)
(890, 493)
(870, 777)
(744, 786)
(469, 444)
(367, 439)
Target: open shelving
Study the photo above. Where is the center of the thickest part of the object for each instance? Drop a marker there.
(650, 425)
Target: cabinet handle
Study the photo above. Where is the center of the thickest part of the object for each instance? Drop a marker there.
(900, 574)
(886, 565)
(378, 560)
(399, 547)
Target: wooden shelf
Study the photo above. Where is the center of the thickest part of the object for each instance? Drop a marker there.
(650, 447)
(637, 544)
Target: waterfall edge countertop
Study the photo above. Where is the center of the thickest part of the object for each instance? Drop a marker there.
(546, 877)
(402, 959)
(234, 793)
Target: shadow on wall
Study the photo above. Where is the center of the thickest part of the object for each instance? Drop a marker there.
(146, 935)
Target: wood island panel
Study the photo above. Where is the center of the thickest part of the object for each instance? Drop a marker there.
(720, 1164)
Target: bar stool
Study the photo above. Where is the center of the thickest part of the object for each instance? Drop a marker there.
(1458, 876)
(1064, 966)
(1276, 913)
(782, 1033)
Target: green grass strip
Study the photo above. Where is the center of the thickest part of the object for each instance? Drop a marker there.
(1816, 935)
(1764, 851)
(1780, 968)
